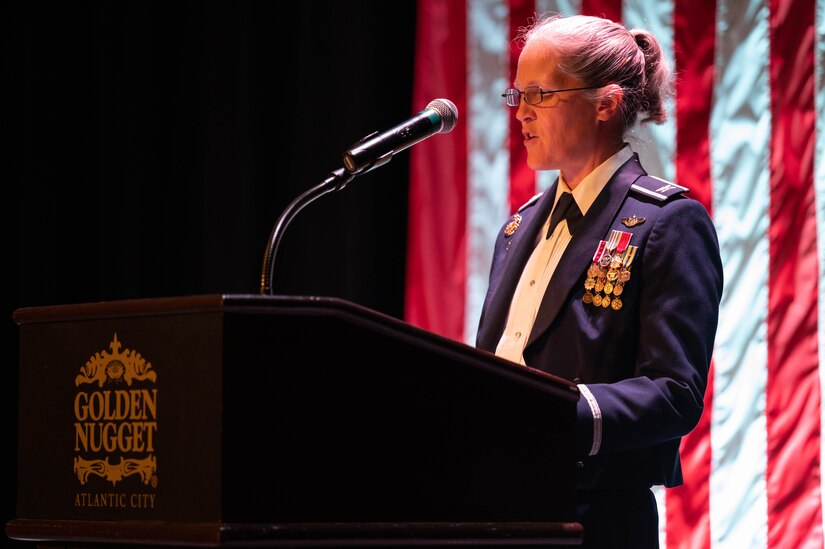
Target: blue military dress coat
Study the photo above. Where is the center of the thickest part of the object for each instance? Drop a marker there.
(644, 366)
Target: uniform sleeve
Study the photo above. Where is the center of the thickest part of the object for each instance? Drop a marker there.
(681, 276)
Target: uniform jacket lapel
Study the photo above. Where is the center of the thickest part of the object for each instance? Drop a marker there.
(579, 253)
(523, 242)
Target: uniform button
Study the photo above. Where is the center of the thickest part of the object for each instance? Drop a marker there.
(532, 282)
(579, 465)
(518, 334)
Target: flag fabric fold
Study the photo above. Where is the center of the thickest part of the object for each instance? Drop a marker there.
(745, 135)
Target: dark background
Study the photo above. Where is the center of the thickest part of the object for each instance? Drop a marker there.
(151, 147)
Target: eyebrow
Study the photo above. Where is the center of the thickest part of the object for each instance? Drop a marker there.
(537, 84)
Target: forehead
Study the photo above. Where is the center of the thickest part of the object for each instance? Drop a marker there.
(537, 66)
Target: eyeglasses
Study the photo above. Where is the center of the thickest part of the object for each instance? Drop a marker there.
(533, 95)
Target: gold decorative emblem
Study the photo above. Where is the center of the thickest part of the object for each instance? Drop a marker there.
(633, 220)
(115, 472)
(513, 225)
(115, 366)
(115, 428)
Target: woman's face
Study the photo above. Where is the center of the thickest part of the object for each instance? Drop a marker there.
(561, 131)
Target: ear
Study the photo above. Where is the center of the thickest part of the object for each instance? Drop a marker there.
(609, 102)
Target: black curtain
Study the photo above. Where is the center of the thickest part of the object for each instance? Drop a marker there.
(151, 147)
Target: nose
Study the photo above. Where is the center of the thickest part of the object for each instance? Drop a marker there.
(524, 111)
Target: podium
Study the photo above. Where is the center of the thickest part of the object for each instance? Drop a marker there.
(281, 421)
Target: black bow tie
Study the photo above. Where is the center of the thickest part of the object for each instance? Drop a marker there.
(566, 208)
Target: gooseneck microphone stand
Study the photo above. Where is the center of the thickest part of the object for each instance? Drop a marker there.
(369, 153)
(336, 181)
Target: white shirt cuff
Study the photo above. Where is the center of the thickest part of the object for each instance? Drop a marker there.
(597, 419)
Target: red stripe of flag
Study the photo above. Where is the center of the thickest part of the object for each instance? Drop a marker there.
(522, 178)
(688, 506)
(436, 242)
(792, 394)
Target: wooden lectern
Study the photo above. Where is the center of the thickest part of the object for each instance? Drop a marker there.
(267, 421)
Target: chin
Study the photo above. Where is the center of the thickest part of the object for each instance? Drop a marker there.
(534, 163)
(538, 166)
(538, 160)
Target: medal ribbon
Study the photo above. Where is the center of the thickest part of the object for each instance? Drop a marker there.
(624, 240)
(613, 241)
(629, 255)
(618, 241)
(600, 251)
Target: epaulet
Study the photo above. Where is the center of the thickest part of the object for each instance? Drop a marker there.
(531, 201)
(657, 188)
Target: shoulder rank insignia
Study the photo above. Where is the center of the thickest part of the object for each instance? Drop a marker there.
(657, 188)
(512, 226)
(633, 220)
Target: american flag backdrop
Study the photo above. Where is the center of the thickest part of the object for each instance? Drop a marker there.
(746, 136)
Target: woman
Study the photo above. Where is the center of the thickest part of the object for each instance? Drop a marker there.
(621, 296)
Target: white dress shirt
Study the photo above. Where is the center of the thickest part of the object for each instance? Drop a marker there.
(545, 257)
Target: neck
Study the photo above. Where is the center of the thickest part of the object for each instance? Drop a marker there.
(575, 175)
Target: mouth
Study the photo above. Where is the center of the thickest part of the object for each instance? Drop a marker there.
(528, 136)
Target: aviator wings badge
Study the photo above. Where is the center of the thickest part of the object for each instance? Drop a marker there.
(633, 221)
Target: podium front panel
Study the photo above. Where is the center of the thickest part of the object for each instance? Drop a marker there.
(120, 418)
(180, 420)
(347, 423)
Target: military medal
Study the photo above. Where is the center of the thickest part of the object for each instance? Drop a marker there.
(593, 272)
(624, 273)
(601, 249)
(627, 260)
(622, 241)
(609, 271)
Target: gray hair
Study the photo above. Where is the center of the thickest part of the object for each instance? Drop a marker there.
(600, 52)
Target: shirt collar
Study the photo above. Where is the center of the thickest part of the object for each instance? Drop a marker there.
(586, 192)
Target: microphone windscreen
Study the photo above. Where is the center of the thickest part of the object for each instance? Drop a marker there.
(448, 112)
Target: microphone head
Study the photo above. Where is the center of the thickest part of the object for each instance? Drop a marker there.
(448, 112)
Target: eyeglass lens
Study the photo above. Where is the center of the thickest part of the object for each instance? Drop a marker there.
(532, 96)
(512, 96)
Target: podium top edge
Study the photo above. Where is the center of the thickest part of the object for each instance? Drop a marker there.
(171, 305)
(262, 304)
(142, 306)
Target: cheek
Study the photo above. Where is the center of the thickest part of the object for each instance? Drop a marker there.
(578, 120)
(555, 128)
(554, 134)
(544, 156)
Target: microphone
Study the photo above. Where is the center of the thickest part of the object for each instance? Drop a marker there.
(376, 149)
